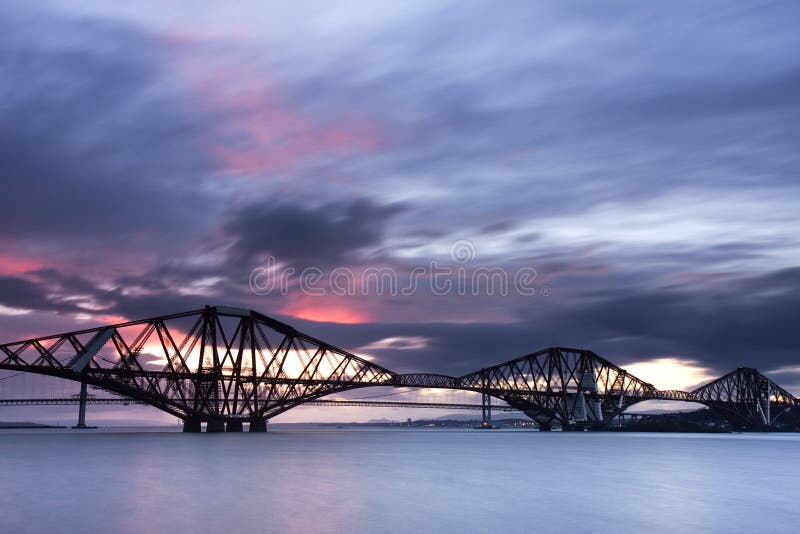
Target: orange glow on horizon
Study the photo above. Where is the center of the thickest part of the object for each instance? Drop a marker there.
(671, 373)
(325, 313)
(109, 319)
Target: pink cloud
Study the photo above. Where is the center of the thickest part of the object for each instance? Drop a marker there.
(263, 130)
(17, 265)
(270, 136)
(325, 310)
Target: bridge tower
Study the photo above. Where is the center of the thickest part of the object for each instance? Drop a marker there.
(585, 407)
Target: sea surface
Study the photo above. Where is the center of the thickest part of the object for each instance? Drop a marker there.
(354, 480)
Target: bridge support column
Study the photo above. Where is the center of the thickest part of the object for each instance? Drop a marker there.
(258, 425)
(233, 426)
(192, 425)
(215, 425)
(486, 411)
(82, 408)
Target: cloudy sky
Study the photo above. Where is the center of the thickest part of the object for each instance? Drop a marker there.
(639, 162)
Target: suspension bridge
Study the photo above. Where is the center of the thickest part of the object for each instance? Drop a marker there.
(227, 367)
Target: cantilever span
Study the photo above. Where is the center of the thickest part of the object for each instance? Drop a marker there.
(215, 364)
(226, 366)
(578, 388)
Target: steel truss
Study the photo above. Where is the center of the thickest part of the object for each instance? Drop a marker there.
(749, 400)
(562, 386)
(213, 364)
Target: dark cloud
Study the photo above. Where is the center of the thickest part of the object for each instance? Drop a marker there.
(745, 321)
(95, 146)
(22, 294)
(309, 236)
(497, 227)
(51, 290)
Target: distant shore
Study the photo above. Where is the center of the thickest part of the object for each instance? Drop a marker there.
(27, 425)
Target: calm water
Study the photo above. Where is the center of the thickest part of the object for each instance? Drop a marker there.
(396, 480)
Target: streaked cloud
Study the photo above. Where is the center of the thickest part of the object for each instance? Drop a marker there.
(398, 343)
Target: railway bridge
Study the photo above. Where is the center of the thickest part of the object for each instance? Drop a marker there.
(229, 366)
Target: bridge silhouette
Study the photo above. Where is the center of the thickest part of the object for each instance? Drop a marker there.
(229, 366)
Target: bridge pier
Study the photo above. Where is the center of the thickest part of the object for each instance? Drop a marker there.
(545, 427)
(258, 425)
(233, 426)
(215, 425)
(486, 411)
(82, 408)
(192, 425)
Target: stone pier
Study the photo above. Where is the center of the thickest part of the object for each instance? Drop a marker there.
(192, 425)
(215, 425)
(233, 426)
(258, 425)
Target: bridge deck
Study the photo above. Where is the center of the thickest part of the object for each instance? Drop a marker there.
(353, 403)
